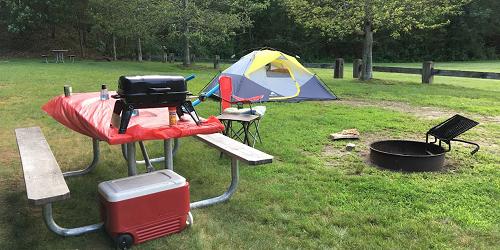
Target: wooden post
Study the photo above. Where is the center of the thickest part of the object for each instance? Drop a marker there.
(338, 71)
(171, 57)
(165, 57)
(427, 68)
(217, 62)
(356, 68)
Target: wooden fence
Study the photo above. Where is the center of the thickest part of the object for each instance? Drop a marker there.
(427, 71)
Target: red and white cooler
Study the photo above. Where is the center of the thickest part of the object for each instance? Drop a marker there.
(144, 207)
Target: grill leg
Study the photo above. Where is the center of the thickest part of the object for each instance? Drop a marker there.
(132, 165)
(468, 142)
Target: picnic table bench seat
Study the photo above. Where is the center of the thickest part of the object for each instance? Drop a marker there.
(43, 178)
(237, 151)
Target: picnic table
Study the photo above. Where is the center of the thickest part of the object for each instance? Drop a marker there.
(87, 114)
(59, 54)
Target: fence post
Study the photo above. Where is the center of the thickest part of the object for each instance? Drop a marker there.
(338, 71)
(217, 62)
(171, 58)
(356, 68)
(165, 57)
(427, 76)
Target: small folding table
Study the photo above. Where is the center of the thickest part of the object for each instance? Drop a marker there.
(248, 133)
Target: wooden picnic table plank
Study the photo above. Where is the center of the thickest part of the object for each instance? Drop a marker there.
(236, 149)
(42, 175)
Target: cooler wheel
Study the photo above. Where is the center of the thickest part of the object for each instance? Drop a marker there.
(124, 241)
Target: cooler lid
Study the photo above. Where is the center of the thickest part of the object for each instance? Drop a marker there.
(140, 185)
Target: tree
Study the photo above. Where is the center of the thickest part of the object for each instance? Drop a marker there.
(208, 22)
(338, 18)
(108, 15)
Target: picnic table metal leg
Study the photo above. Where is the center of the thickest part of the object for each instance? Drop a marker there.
(169, 156)
(124, 151)
(93, 164)
(162, 159)
(149, 166)
(51, 224)
(226, 195)
(132, 165)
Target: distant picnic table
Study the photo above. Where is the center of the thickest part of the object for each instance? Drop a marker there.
(59, 54)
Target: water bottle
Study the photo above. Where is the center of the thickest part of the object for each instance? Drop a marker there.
(104, 93)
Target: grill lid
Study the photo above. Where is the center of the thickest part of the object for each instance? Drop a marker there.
(151, 84)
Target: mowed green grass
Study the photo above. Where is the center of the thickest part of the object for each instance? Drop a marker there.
(314, 195)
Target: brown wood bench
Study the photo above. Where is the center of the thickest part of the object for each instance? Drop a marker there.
(43, 178)
(237, 151)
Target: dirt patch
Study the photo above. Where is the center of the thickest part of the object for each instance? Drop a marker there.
(430, 113)
(355, 161)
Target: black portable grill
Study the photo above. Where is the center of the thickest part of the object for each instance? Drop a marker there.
(451, 128)
(155, 91)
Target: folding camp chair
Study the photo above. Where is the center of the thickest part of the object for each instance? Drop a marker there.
(249, 118)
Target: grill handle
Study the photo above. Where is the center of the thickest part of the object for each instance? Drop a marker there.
(160, 90)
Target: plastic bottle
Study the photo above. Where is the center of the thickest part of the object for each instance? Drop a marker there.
(104, 93)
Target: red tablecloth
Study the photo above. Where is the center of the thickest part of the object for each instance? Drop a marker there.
(87, 114)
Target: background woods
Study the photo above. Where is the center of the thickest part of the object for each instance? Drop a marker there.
(440, 30)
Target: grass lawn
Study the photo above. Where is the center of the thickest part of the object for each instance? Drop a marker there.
(315, 194)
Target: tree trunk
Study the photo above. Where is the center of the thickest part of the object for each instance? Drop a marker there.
(187, 56)
(139, 50)
(187, 59)
(84, 35)
(53, 31)
(80, 38)
(114, 47)
(367, 68)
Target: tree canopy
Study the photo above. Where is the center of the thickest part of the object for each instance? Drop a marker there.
(338, 18)
(316, 30)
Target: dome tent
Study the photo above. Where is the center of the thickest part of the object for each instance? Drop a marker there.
(275, 75)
